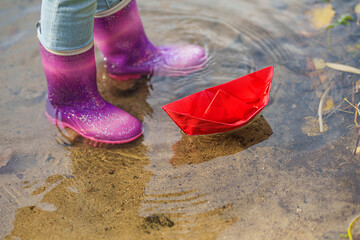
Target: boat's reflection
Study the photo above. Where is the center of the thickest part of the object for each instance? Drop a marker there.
(198, 149)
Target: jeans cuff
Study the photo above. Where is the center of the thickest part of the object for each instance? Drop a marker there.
(62, 53)
(114, 9)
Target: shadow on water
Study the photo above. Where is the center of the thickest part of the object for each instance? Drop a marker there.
(198, 149)
(130, 96)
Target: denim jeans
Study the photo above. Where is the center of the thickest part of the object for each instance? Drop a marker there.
(67, 25)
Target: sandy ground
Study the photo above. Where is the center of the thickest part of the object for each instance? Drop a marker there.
(268, 180)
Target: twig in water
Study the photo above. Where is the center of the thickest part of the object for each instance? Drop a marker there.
(321, 125)
(350, 227)
(357, 111)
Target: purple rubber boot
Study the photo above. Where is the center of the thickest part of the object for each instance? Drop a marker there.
(129, 54)
(74, 101)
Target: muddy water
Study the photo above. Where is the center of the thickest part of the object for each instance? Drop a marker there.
(277, 178)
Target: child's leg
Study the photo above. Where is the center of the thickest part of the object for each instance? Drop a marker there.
(67, 25)
(67, 52)
(103, 5)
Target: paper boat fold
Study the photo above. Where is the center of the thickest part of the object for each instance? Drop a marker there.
(223, 107)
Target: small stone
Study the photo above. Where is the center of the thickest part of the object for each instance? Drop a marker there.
(20, 176)
(157, 221)
(71, 135)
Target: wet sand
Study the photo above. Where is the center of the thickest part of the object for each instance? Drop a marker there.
(268, 180)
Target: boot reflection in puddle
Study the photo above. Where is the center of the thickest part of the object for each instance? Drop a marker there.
(100, 198)
(129, 95)
(103, 198)
(198, 149)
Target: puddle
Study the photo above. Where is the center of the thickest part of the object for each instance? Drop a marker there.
(277, 177)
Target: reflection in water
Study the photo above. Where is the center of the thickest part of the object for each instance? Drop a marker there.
(203, 198)
(130, 96)
(105, 190)
(99, 199)
(193, 216)
(198, 149)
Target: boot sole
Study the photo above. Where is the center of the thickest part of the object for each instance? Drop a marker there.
(93, 141)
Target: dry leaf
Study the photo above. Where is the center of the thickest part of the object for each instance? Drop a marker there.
(307, 34)
(353, 48)
(357, 151)
(321, 17)
(357, 10)
(329, 104)
(322, 78)
(344, 68)
(310, 64)
(319, 63)
(5, 156)
(311, 126)
(357, 86)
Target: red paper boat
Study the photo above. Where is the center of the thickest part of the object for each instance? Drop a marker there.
(223, 107)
